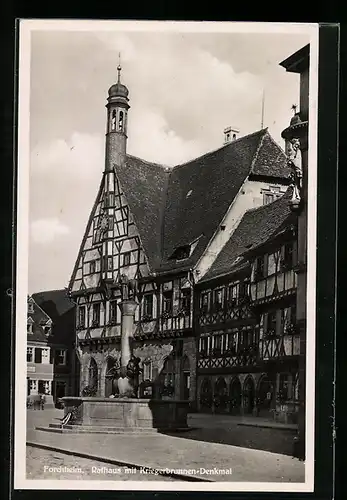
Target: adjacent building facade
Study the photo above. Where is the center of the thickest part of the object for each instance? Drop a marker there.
(164, 228)
(39, 357)
(249, 344)
(52, 365)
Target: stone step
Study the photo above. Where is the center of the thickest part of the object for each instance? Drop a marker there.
(90, 429)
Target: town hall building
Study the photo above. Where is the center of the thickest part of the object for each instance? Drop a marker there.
(211, 246)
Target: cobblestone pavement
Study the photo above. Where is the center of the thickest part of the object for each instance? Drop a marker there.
(189, 450)
(51, 465)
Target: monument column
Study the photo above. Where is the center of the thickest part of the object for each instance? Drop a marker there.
(128, 308)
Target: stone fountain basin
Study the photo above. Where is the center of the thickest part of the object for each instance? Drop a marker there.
(127, 413)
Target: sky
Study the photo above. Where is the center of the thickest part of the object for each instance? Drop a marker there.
(184, 89)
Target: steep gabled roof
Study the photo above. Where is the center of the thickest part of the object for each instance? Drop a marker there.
(60, 309)
(55, 303)
(145, 186)
(256, 227)
(38, 318)
(175, 207)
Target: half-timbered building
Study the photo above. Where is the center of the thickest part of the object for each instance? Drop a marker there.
(164, 228)
(61, 342)
(248, 344)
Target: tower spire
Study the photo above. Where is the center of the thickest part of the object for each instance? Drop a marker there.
(119, 67)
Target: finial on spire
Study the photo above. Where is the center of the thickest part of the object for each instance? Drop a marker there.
(119, 67)
(294, 108)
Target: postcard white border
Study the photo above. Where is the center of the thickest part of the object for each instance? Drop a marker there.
(25, 28)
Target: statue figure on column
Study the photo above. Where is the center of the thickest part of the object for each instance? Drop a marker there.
(128, 288)
(294, 162)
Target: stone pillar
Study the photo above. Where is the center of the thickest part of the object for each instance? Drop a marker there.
(125, 384)
(128, 308)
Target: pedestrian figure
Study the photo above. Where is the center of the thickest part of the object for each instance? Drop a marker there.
(42, 401)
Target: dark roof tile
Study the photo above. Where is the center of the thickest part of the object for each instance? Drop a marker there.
(175, 207)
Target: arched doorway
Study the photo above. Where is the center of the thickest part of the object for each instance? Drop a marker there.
(248, 396)
(206, 395)
(265, 396)
(220, 396)
(185, 378)
(235, 396)
(93, 373)
(110, 386)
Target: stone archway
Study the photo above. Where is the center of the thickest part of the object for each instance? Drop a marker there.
(220, 396)
(235, 396)
(206, 395)
(248, 396)
(185, 378)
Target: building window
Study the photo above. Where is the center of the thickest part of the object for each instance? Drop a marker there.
(30, 354)
(147, 370)
(167, 302)
(260, 267)
(109, 200)
(271, 323)
(38, 355)
(147, 307)
(287, 255)
(231, 343)
(218, 300)
(185, 301)
(121, 121)
(96, 314)
(217, 344)
(45, 356)
(60, 357)
(92, 266)
(204, 303)
(109, 263)
(81, 316)
(203, 347)
(232, 295)
(268, 198)
(30, 307)
(113, 119)
(242, 290)
(47, 330)
(29, 327)
(126, 259)
(271, 194)
(113, 313)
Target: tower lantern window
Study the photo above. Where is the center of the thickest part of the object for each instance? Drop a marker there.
(121, 120)
(113, 120)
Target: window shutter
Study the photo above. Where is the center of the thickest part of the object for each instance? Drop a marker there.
(51, 356)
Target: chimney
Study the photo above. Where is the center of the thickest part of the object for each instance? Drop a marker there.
(230, 134)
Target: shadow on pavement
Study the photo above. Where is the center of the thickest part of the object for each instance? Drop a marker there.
(258, 438)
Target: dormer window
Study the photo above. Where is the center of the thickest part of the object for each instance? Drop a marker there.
(30, 307)
(47, 330)
(30, 323)
(181, 253)
(271, 194)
